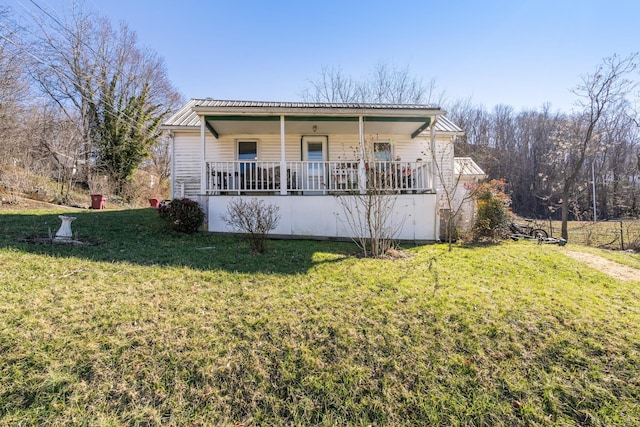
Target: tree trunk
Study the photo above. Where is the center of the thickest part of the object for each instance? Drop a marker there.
(565, 214)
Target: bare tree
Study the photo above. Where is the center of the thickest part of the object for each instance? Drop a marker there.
(13, 86)
(598, 94)
(160, 157)
(54, 149)
(613, 165)
(396, 85)
(532, 149)
(386, 84)
(370, 206)
(115, 91)
(63, 66)
(372, 220)
(332, 85)
(455, 195)
(14, 92)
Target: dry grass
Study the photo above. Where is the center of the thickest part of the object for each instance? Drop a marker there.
(21, 189)
(617, 235)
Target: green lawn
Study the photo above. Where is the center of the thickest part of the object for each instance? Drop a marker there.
(147, 327)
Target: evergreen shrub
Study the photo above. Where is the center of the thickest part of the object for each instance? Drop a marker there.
(493, 215)
(183, 215)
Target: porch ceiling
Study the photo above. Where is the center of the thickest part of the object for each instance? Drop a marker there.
(320, 125)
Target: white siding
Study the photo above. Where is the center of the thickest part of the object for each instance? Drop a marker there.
(221, 149)
(464, 205)
(224, 149)
(324, 216)
(410, 150)
(343, 147)
(187, 152)
(444, 171)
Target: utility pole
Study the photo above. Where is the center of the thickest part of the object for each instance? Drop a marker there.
(593, 183)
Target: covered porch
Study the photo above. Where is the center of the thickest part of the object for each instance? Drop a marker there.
(317, 177)
(300, 162)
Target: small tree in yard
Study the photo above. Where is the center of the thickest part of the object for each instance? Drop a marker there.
(370, 216)
(453, 195)
(370, 209)
(253, 217)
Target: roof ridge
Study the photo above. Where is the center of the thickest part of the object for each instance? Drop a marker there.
(311, 103)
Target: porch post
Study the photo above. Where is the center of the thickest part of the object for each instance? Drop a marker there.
(362, 173)
(283, 160)
(203, 167)
(436, 214)
(433, 154)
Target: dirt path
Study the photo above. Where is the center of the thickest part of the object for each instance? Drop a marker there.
(613, 269)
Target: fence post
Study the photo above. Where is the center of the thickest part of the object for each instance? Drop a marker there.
(621, 237)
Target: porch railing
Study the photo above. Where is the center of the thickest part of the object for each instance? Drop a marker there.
(312, 177)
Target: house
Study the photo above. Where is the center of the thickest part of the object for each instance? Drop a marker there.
(310, 158)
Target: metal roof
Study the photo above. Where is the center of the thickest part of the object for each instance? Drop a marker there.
(208, 102)
(465, 166)
(443, 124)
(187, 116)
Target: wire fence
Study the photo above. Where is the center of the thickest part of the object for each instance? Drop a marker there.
(618, 235)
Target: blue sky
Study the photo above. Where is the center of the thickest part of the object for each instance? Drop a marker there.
(519, 52)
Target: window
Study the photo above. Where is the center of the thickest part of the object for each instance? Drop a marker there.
(382, 151)
(247, 154)
(247, 150)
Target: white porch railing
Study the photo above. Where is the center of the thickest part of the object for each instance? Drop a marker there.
(312, 177)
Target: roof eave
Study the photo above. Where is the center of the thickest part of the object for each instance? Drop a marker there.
(179, 127)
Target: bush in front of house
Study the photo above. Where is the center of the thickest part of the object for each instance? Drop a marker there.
(253, 217)
(493, 213)
(183, 215)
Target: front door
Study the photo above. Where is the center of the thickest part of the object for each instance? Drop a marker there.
(247, 155)
(314, 153)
